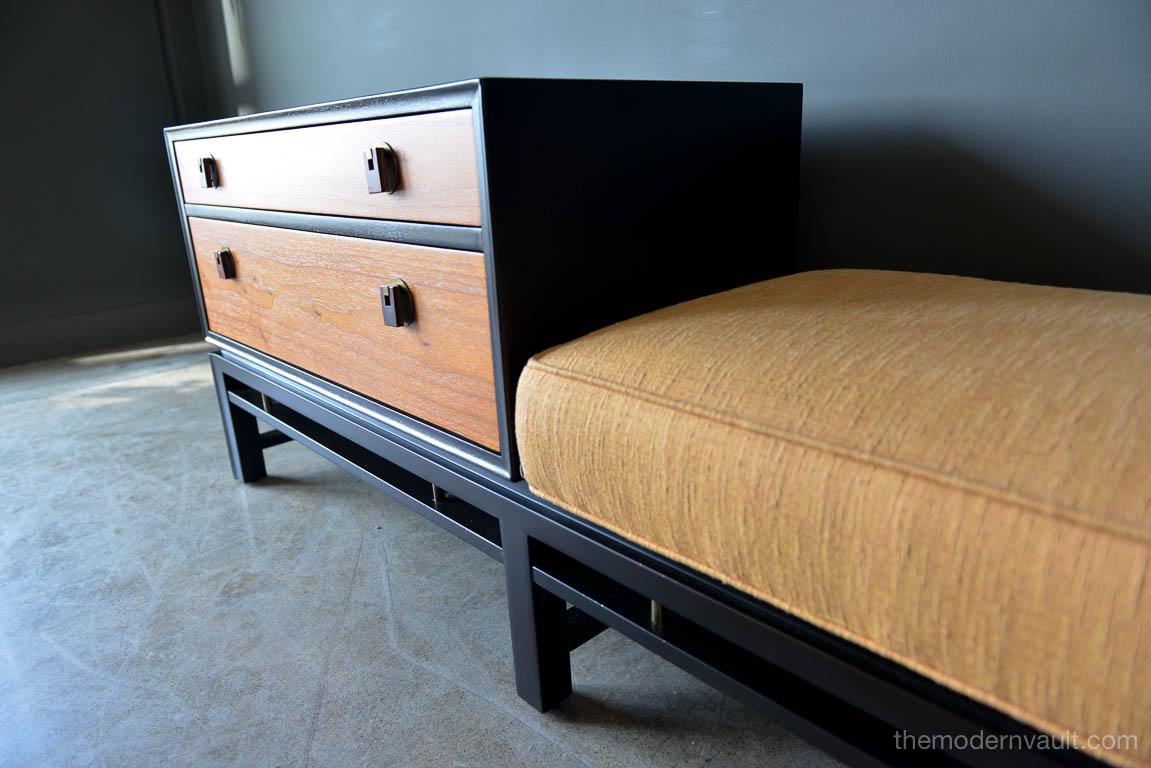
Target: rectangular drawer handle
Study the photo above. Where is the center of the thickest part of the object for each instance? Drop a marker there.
(209, 173)
(382, 169)
(396, 300)
(225, 264)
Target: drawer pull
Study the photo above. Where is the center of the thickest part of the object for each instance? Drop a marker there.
(209, 173)
(397, 303)
(382, 169)
(225, 264)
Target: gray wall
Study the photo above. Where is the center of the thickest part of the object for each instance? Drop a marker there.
(90, 247)
(1004, 139)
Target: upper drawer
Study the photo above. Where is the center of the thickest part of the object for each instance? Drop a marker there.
(321, 169)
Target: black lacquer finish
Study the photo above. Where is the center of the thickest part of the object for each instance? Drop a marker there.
(435, 98)
(435, 235)
(840, 697)
(611, 198)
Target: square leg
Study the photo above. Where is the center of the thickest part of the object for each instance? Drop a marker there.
(242, 433)
(539, 629)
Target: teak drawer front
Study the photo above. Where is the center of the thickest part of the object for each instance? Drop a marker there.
(321, 169)
(313, 300)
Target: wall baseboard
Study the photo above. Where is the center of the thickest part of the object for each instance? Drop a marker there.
(59, 336)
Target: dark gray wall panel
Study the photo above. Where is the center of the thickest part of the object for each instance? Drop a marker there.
(90, 244)
(1005, 139)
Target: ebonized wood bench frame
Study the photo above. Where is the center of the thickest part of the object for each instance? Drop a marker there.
(840, 697)
(567, 579)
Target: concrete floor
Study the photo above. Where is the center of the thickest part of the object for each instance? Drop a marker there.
(155, 612)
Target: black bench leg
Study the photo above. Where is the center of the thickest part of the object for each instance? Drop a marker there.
(242, 432)
(539, 629)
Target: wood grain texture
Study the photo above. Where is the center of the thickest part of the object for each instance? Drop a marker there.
(320, 169)
(313, 300)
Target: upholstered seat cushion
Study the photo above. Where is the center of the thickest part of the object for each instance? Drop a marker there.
(952, 472)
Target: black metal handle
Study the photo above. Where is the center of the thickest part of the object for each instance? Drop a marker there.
(209, 173)
(225, 264)
(396, 300)
(382, 169)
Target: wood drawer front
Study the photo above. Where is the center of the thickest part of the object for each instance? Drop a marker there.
(321, 169)
(313, 300)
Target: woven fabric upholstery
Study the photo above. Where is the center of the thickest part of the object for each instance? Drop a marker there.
(952, 472)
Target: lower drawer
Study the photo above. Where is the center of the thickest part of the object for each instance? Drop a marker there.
(313, 300)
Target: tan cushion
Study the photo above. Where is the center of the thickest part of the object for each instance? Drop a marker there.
(954, 473)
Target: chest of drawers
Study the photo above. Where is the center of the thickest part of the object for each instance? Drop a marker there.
(398, 258)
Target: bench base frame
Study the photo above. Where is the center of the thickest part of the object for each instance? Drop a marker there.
(567, 580)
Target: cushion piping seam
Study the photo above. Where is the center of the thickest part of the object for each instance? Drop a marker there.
(969, 486)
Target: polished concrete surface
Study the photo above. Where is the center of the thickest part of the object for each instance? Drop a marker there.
(154, 612)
